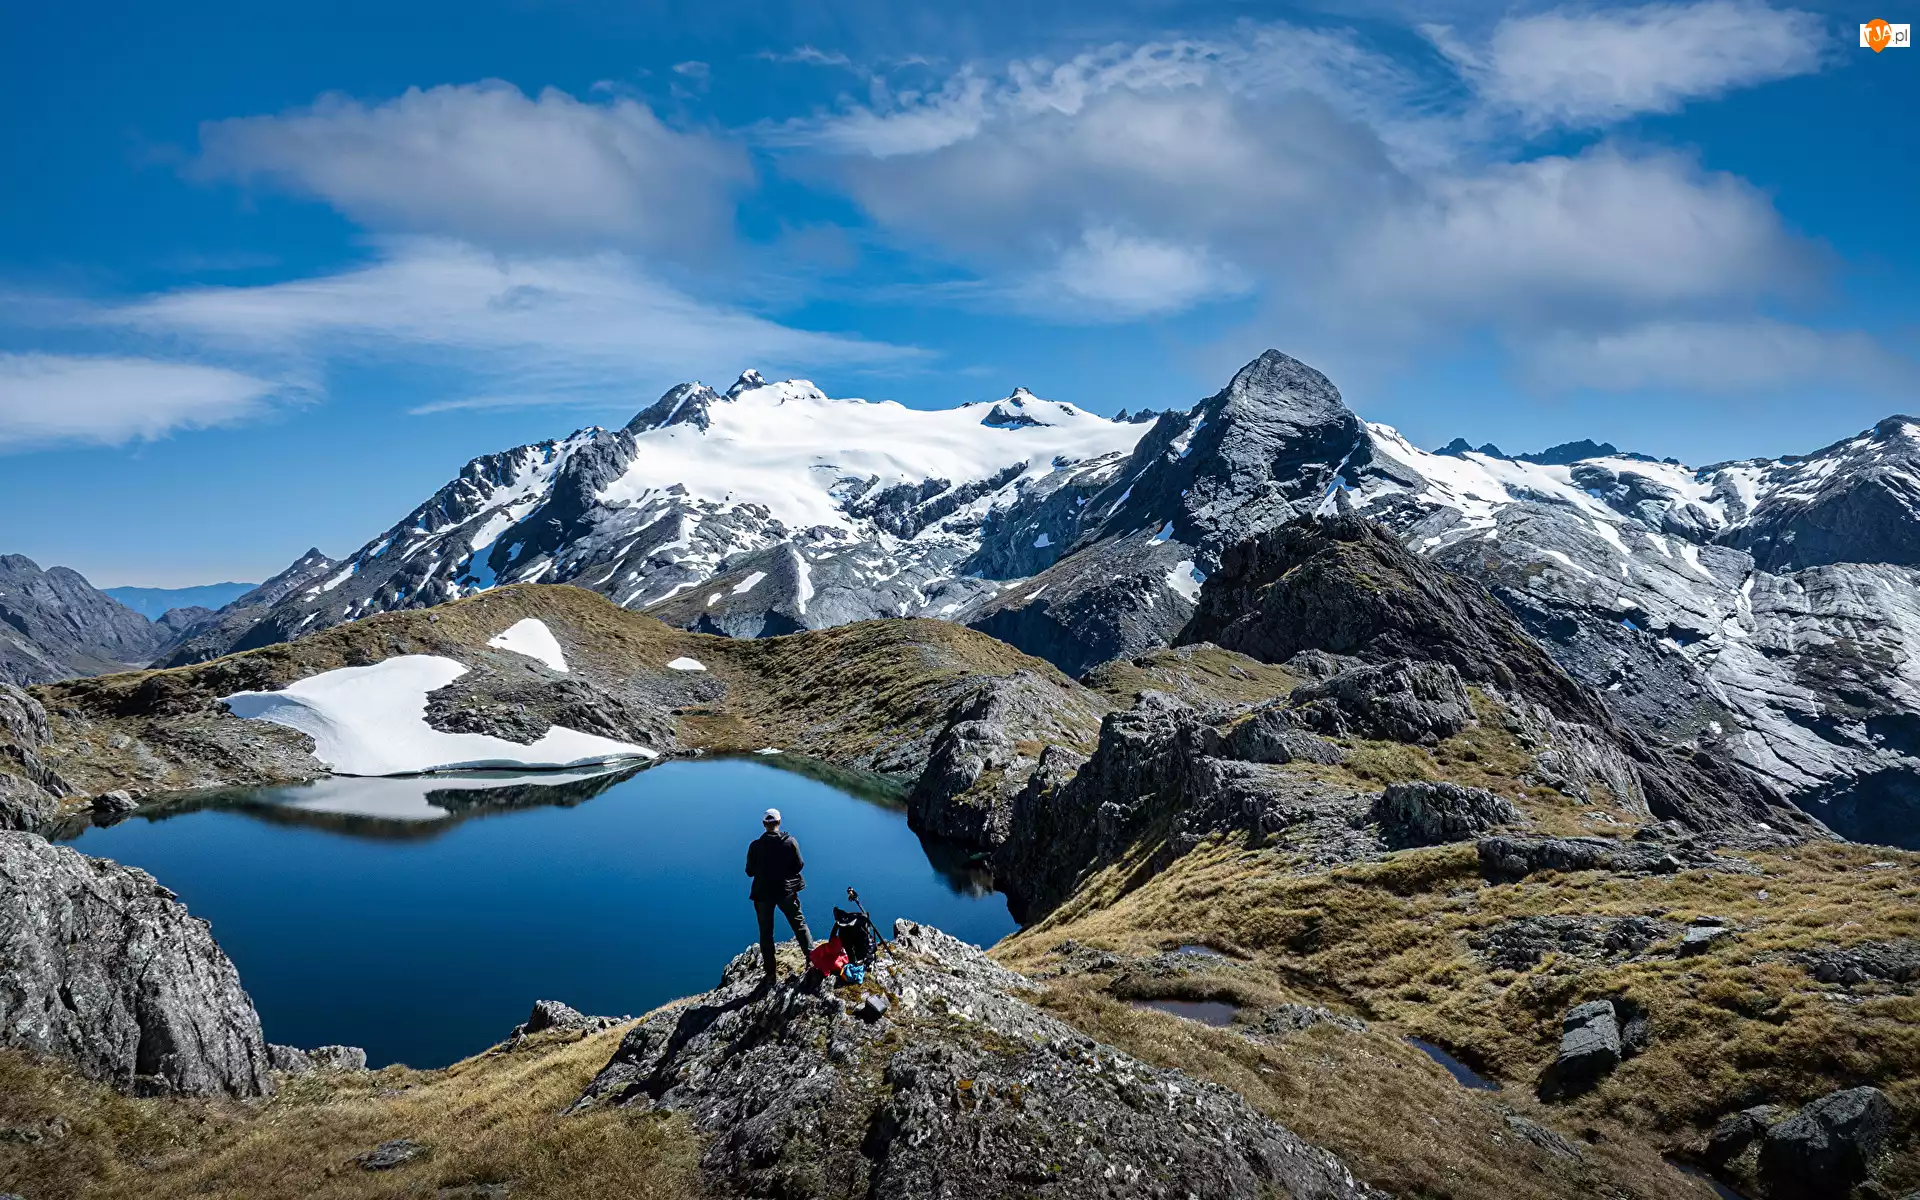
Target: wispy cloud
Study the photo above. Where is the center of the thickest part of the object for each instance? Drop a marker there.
(1593, 67)
(48, 399)
(522, 329)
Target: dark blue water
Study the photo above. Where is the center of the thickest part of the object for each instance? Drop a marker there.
(1461, 1072)
(424, 926)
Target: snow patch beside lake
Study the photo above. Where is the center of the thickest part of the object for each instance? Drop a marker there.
(532, 638)
(373, 721)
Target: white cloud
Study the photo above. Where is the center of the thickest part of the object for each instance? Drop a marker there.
(1589, 67)
(1114, 275)
(529, 326)
(1594, 238)
(1756, 355)
(488, 163)
(1366, 203)
(48, 399)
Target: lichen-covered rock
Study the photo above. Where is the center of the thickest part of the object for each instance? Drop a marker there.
(103, 967)
(338, 1058)
(990, 747)
(290, 1060)
(1589, 1049)
(1828, 1146)
(1419, 813)
(1521, 943)
(960, 1087)
(1402, 701)
(30, 790)
(1894, 961)
(1508, 858)
(1269, 736)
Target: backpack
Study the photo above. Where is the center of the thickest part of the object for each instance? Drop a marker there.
(856, 934)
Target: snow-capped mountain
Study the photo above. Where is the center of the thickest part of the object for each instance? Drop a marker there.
(768, 508)
(1763, 609)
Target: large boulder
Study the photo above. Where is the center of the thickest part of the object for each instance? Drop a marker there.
(1589, 1048)
(103, 967)
(1828, 1146)
(1420, 813)
(940, 1078)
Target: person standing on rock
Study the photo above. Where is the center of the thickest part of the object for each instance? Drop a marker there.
(774, 862)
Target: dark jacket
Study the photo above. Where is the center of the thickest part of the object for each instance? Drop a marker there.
(773, 859)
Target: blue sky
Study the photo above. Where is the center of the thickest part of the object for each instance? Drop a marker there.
(270, 274)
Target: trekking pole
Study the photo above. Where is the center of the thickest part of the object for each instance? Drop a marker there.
(855, 897)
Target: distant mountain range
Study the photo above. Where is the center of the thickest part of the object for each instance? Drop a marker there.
(154, 603)
(1763, 609)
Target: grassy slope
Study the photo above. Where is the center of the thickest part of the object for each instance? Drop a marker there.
(493, 1118)
(1739, 1025)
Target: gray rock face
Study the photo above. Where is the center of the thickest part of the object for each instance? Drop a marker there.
(1346, 586)
(1828, 1146)
(288, 1059)
(1430, 814)
(1112, 599)
(1404, 701)
(338, 1058)
(959, 1083)
(1270, 736)
(116, 803)
(55, 625)
(989, 750)
(103, 967)
(1589, 1049)
(30, 791)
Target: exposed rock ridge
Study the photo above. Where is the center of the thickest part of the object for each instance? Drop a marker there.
(940, 1079)
(1345, 585)
(103, 967)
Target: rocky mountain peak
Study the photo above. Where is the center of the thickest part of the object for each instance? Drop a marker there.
(749, 380)
(683, 404)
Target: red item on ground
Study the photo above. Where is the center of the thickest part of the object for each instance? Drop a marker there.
(828, 957)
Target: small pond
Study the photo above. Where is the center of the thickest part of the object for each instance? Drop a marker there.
(1463, 1074)
(422, 917)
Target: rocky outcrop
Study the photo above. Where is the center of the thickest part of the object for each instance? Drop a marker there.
(1429, 814)
(1344, 585)
(956, 1083)
(1403, 701)
(1893, 961)
(1270, 736)
(30, 790)
(103, 967)
(1826, 1147)
(1521, 943)
(993, 744)
(1162, 770)
(1509, 859)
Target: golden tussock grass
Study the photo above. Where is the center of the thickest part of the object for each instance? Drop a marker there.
(1741, 1024)
(494, 1118)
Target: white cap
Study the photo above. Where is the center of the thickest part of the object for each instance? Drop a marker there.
(772, 817)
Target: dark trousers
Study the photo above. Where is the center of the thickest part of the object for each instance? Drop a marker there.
(789, 905)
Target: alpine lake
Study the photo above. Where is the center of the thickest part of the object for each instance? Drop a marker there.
(420, 917)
